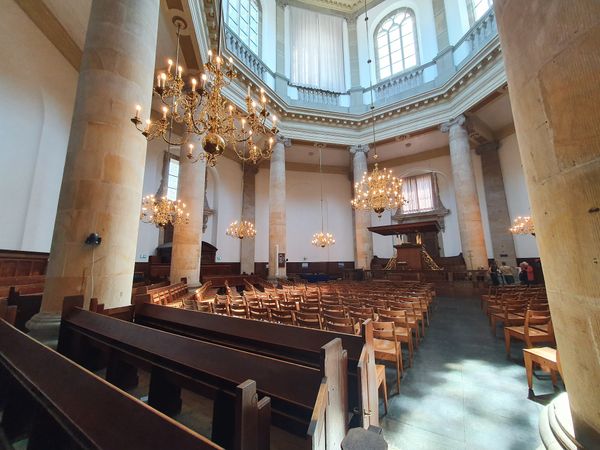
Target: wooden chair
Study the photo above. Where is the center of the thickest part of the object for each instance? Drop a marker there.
(381, 384)
(513, 314)
(309, 307)
(334, 311)
(288, 306)
(259, 313)
(221, 308)
(411, 318)
(387, 347)
(282, 316)
(403, 331)
(308, 320)
(340, 327)
(537, 329)
(238, 310)
(546, 358)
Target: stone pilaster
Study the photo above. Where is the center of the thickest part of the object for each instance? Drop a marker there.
(247, 249)
(467, 202)
(441, 25)
(102, 182)
(503, 243)
(280, 78)
(356, 91)
(187, 238)
(363, 252)
(277, 217)
(554, 95)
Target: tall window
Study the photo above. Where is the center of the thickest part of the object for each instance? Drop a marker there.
(396, 43)
(173, 179)
(420, 193)
(243, 17)
(478, 8)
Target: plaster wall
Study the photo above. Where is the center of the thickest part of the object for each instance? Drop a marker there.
(37, 88)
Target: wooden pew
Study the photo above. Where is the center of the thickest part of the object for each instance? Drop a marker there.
(289, 343)
(48, 399)
(7, 313)
(210, 370)
(27, 305)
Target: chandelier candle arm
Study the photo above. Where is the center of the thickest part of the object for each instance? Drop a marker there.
(523, 225)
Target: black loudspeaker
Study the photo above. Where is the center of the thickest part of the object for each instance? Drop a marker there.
(93, 239)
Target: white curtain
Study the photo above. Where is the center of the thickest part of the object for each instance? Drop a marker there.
(316, 50)
(418, 190)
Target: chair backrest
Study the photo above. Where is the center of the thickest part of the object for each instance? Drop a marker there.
(396, 316)
(384, 330)
(335, 311)
(309, 320)
(288, 306)
(340, 327)
(309, 307)
(238, 310)
(338, 320)
(282, 316)
(259, 313)
(221, 308)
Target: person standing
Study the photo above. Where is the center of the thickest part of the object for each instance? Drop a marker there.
(493, 270)
(523, 273)
(530, 274)
(507, 273)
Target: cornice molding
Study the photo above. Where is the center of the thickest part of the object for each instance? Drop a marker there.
(51, 27)
(416, 157)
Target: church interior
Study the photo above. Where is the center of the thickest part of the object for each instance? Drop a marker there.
(300, 224)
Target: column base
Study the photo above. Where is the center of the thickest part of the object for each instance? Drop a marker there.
(44, 327)
(556, 425)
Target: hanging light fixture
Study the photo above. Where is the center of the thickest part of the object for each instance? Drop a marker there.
(162, 211)
(380, 189)
(203, 110)
(322, 239)
(523, 225)
(243, 228)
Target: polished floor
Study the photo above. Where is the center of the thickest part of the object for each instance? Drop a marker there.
(462, 392)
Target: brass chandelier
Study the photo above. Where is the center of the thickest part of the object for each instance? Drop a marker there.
(162, 211)
(201, 109)
(380, 189)
(242, 229)
(322, 239)
(523, 225)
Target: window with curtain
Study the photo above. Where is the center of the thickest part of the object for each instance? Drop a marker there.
(243, 17)
(396, 43)
(173, 179)
(478, 8)
(316, 50)
(419, 192)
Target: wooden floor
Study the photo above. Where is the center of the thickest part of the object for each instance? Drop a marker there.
(462, 392)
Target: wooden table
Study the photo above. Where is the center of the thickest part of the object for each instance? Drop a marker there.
(545, 357)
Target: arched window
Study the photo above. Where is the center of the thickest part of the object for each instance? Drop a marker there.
(396, 43)
(478, 8)
(243, 17)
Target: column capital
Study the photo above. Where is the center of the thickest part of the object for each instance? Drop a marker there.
(281, 139)
(351, 21)
(487, 147)
(282, 3)
(361, 148)
(457, 121)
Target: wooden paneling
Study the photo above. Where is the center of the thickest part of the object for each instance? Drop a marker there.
(22, 264)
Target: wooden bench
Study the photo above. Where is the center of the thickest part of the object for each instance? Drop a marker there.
(49, 400)
(546, 358)
(27, 303)
(289, 343)
(213, 371)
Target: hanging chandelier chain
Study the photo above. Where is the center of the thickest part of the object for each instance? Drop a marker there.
(372, 105)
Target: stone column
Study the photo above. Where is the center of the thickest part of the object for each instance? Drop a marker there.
(362, 219)
(277, 229)
(444, 60)
(497, 208)
(554, 94)
(187, 238)
(356, 91)
(102, 182)
(467, 202)
(247, 249)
